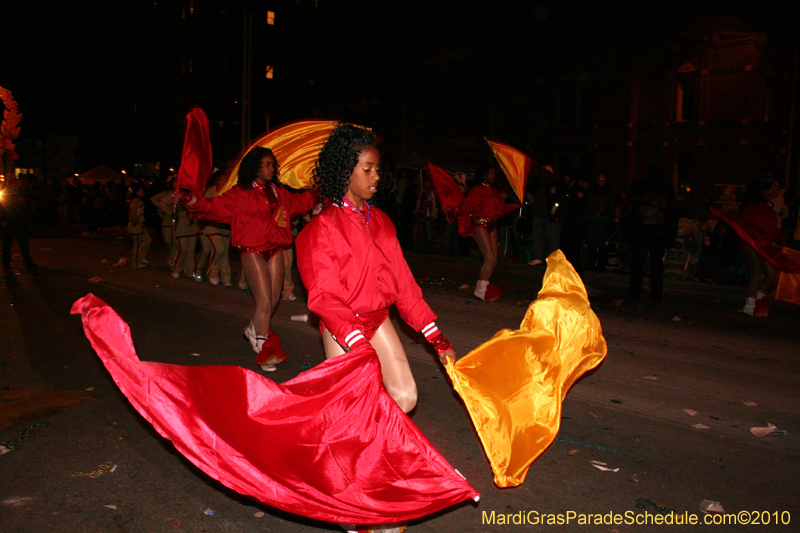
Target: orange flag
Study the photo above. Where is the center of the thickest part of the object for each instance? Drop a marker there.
(789, 284)
(513, 385)
(515, 165)
(196, 159)
(447, 190)
(296, 147)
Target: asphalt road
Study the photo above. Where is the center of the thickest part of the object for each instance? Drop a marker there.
(692, 351)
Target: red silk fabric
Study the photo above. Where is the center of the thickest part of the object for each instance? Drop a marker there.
(450, 196)
(330, 444)
(758, 229)
(196, 162)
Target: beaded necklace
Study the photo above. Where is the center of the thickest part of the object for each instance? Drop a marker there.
(357, 210)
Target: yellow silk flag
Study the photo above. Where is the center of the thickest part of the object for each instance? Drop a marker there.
(515, 165)
(296, 147)
(789, 284)
(513, 385)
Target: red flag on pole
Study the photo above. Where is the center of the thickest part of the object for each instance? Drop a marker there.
(196, 160)
(450, 196)
(515, 165)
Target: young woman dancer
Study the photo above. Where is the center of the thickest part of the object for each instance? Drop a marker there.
(758, 214)
(259, 211)
(485, 206)
(352, 265)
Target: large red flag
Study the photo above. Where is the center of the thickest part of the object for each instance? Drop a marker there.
(330, 444)
(450, 196)
(196, 160)
(515, 165)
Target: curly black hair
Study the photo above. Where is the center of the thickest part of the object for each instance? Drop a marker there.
(338, 158)
(250, 165)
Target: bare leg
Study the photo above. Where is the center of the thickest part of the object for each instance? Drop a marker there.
(487, 244)
(265, 279)
(770, 277)
(753, 262)
(397, 377)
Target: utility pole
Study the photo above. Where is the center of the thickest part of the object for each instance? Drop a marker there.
(247, 75)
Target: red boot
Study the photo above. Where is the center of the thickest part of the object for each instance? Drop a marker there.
(270, 353)
(762, 307)
(492, 293)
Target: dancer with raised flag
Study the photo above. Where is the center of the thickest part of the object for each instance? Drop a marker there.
(259, 210)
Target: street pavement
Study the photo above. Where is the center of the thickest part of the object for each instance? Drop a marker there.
(690, 359)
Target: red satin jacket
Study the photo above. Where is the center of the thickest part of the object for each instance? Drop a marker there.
(350, 268)
(258, 218)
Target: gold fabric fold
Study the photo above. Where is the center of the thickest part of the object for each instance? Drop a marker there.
(513, 385)
(515, 165)
(788, 289)
(296, 147)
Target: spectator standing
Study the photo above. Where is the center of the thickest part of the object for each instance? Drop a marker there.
(650, 226)
(599, 214)
(215, 238)
(163, 203)
(543, 193)
(15, 223)
(571, 213)
(136, 227)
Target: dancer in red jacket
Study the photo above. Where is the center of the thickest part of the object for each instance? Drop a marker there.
(354, 269)
(485, 206)
(259, 211)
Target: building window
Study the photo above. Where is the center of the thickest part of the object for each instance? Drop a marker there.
(271, 18)
(685, 100)
(270, 72)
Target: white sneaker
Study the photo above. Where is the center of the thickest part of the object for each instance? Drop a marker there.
(289, 297)
(243, 285)
(250, 335)
(197, 277)
(749, 306)
(228, 284)
(176, 275)
(213, 281)
(269, 368)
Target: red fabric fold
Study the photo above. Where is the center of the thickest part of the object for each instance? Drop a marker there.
(196, 162)
(450, 196)
(330, 444)
(757, 232)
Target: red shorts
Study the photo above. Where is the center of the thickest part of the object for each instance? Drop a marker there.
(489, 223)
(266, 253)
(371, 321)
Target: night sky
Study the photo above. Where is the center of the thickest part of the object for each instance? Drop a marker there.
(83, 68)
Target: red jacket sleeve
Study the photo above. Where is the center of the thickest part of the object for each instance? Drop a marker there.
(316, 261)
(218, 208)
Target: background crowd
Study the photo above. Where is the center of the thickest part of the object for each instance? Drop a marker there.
(598, 227)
